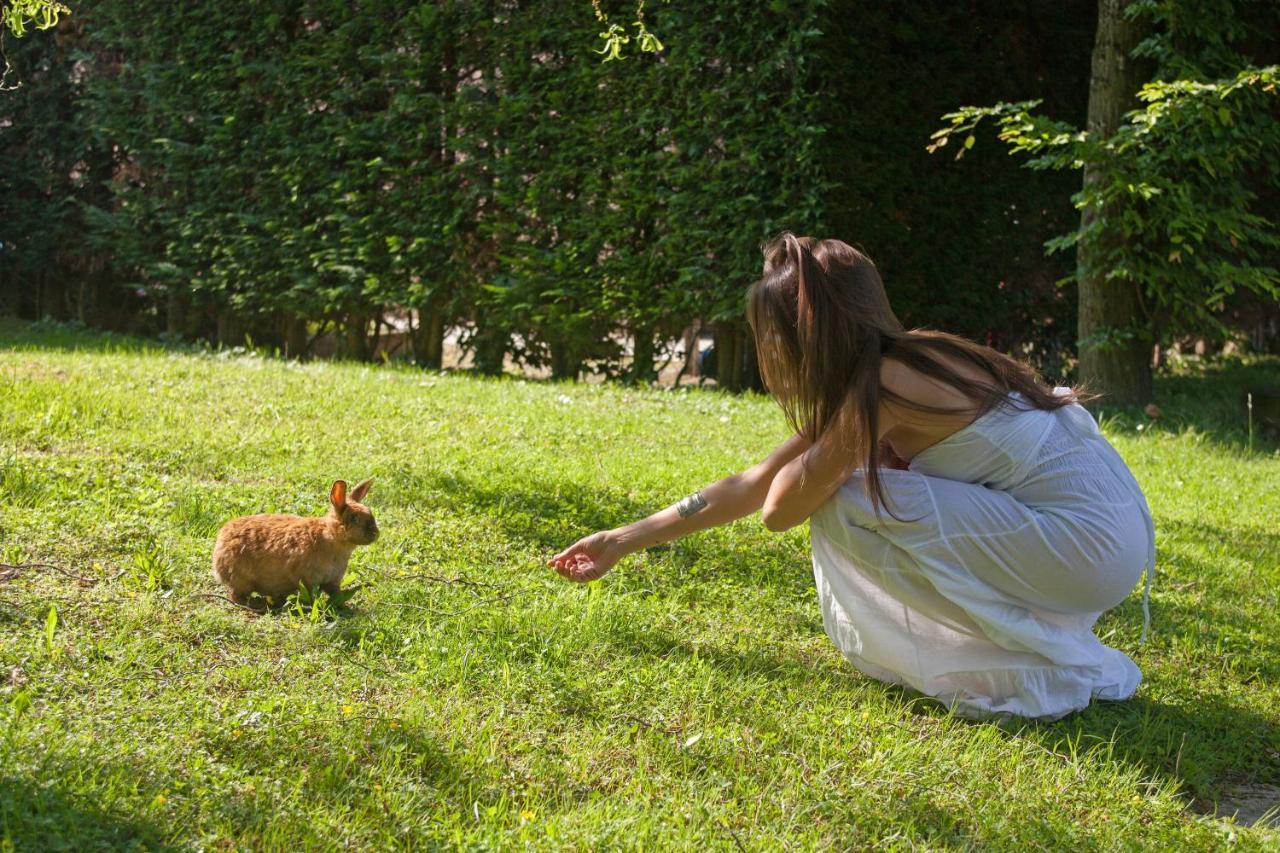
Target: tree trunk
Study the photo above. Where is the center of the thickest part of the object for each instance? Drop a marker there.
(751, 378)
(728, 356)
(691, 343)
(230, 329)
(1114, 337)
(175, 313)
(642, 371)
(428, 339)
(293, 336)
(353, 342)
(490, 349)
(565, 363)
(86, 301)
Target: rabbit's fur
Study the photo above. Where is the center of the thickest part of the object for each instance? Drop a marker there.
(272, 554)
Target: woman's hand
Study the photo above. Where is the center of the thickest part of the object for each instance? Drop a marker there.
(719, 503)
(590, 558)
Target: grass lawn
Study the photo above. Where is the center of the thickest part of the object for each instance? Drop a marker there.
(473, 698)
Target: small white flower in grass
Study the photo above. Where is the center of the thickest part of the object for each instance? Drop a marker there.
(724, 419)
(564, 399)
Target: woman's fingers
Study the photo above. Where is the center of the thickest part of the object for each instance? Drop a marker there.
(577, 567)
(576, 571)
(566, 562)
(580, 561)
(576, 546)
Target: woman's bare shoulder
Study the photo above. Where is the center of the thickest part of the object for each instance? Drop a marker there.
(914, 388)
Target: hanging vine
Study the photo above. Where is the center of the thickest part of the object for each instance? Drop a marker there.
(16, 16)
(615, 35)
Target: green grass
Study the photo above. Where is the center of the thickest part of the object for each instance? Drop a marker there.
(472, 698)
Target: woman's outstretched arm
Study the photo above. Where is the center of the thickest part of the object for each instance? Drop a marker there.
(723, 501)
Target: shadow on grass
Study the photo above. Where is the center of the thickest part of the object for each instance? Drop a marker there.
(1197, 608)
(1208, 398)
(550, 517)
(1205, 744)
(1201, 745)
(45, 818)
(72, 337)
(337, 768)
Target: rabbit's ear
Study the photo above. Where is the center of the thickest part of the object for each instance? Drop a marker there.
(338, 494)
(358, 493)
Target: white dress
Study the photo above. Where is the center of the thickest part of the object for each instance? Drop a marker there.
(1012, 536)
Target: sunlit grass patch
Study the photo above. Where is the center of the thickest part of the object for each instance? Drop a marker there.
(467, 696)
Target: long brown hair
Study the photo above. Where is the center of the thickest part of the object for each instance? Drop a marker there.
(823, 325)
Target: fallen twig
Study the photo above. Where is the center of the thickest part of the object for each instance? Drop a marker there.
(9, 571)
(455, 581)
(665, 728)
(503, 598)
(214, 596)
(440, 579)
(157, 675)
(734, 836)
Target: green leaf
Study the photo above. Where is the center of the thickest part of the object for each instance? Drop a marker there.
(50, 628)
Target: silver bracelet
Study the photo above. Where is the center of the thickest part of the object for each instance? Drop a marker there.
(694, 503)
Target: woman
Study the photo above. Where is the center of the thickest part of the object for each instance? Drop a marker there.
(969, 525)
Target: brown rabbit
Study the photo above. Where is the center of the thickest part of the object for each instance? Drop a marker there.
(272, 554)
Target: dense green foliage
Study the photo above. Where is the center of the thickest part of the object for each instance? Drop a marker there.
(473, 699)
(229, 171)
(1188, 202)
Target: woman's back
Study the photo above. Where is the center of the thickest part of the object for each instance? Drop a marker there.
(1043, 458)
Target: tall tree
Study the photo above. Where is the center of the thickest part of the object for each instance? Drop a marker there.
(1115, 348)
(1174, 212)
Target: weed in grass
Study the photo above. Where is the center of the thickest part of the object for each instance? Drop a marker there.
(315, 606)
(50, 631)
(150, 570)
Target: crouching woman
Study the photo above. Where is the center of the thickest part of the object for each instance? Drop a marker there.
(969, 524)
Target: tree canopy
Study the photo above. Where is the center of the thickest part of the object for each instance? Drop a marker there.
(1177, 208)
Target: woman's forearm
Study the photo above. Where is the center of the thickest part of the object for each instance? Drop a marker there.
(719, 503)
(725, 500)
(809, 479)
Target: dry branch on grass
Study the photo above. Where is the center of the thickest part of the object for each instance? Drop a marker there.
(9, 571)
